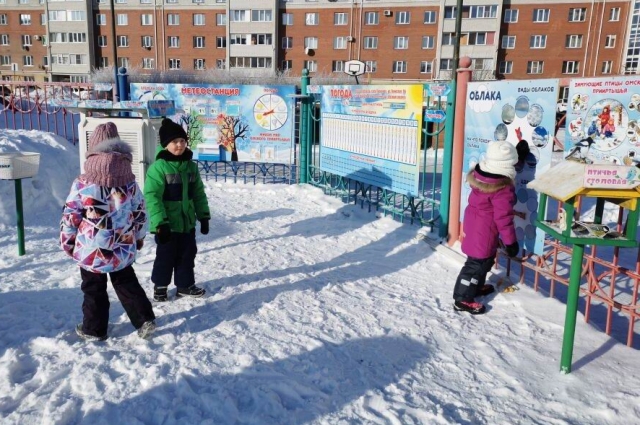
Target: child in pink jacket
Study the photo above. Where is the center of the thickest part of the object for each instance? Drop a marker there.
(488, 218)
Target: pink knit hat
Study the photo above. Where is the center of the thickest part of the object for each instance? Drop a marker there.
(102, 132)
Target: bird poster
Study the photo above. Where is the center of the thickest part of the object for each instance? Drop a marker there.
(513, 111)
(603, 121)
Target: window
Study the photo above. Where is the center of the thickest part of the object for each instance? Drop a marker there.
(481, 64)
(311, 19)
(123, 41)
(428, 42)
(25, 19)
(426, 67)
(173, 19)
(538, 42)
(371, 42)
(198, 42)
(57, 15)
(610, 42)
(77, 15)
(578, 14)
(104, 62)
(508, 41)
(45, 61)
(262, 39)
(101, 19)
(4, 39)
(147, 41)
(78, 59)
(614, 14)
(403, 18)
(102, 41)
(311, 66)
(261, 15)
(238, 39)
(573, 41)
(401, 42)
(147, 19)
(174, 42)
(239, 15)
(607, 66)
(26, 40)
(570, 67)
(198, 19)
(221, 19)
(77, 37)
(446, 64)
(339, 19)
(371, 18)
(510, 16)
(449, 12)
(371, 66)
(124, 62)
(221, 42)
(27, 60)
(287, 43)
(430, 17)
(535, 67)
(287, 19)
(43, 19)
(123, 19)
(198, 64)
(477, 39)
(505, 67)
(3, 19)
(59, 37)
(337, 66)
(174, 63)
(399, 67)
(476, 12)
(6, 60)
(286, 65)
(311, 42)
(148, 63)
(448, 39)
(540, 15)
(340, 43)
(221, 64)
(23, 2)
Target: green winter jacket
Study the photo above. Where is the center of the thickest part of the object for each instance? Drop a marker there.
(174, 193)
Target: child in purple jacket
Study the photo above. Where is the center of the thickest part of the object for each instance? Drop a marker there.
(488, 218)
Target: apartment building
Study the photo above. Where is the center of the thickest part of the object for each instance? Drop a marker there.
(398, 40)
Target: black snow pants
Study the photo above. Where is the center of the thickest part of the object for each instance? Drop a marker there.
(472, 276)
(176, 257)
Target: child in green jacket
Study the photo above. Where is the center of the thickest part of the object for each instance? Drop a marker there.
(175, 199)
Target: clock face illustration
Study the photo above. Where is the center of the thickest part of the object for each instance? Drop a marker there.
(270, 111)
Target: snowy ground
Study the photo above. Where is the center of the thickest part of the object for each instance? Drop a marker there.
(317, 312)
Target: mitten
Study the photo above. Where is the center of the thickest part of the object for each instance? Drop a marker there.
(163, 234)
(139, 244)
(523, 150)
(512, 249)
(204, 227)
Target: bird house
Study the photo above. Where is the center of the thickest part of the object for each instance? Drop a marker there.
(569, 181)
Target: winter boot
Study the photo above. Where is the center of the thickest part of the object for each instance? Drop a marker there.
(485, 290)
(147, 329)
(469, 307)
(193, 291)
(160, 293)
(86, 337)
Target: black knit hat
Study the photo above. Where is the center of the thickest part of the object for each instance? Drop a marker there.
(170, 131)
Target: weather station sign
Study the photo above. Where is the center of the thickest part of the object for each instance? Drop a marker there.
(372, 134)
(229, 122)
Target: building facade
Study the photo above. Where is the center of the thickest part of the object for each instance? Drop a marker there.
(397, 40)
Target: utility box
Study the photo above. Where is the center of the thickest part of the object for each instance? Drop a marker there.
(19, 165)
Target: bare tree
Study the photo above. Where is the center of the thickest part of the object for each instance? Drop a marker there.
(232, 129)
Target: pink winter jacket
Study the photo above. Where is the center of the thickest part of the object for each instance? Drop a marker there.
(488, 215)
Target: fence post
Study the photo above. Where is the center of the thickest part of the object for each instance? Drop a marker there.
(445, 194)
(464, 76)
(304, 127)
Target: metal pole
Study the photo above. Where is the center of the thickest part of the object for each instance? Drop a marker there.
(114, 50)
(572, 308)
(18, 185)
(304, 127)
(456, 45)
(445, 194)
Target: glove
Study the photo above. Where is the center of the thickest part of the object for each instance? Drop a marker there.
(523, 150)
(512, 249)
(163, 234)
(204, 227)
(139, 244)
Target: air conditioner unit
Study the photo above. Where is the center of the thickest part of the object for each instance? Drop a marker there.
(36, 37)
(387, 13)
(308, 50)
(350, 38)
(141, 134)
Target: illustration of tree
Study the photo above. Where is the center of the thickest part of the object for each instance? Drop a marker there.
(233, 131)
(194, 128)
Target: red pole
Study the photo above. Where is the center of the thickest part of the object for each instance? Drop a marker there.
(464, 76)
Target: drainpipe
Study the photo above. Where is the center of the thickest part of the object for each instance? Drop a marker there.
(586, 47)
(114, 50)
(595, 61)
